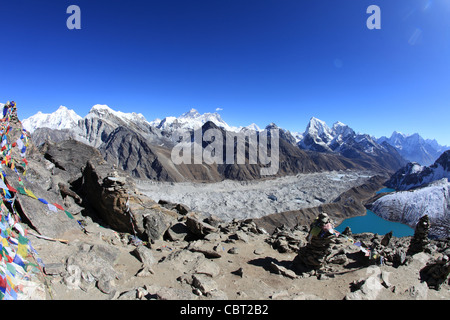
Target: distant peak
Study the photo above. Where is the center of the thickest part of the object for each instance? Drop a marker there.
(272, 125)
(317, 124)
(339, 124)
(316, 121)
(101, 107)
(193, 111)
(397, 133)
(190, 114)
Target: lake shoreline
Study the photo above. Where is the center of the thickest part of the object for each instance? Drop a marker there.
(371, 222)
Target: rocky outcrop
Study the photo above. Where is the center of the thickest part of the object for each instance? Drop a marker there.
(436, 272)
(40, 181)
(113, 198)
(413, 175)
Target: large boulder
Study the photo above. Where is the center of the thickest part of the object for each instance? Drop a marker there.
(113, 197)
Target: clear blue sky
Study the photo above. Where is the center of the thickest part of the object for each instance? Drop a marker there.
(261, 61)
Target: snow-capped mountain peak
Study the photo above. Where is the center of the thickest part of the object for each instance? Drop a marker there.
(251, 127)
(317, 136)
(318, 127)
(102, 110)
(192, 120)
(191, 114)
(62, 118)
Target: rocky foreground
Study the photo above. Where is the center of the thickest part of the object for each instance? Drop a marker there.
(238, 260)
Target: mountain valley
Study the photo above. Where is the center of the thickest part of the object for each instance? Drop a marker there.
(140, 228)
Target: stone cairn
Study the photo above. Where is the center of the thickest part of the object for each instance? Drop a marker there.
(420, 240)
(320, 239)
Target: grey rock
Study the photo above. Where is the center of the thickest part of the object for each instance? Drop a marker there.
(105, 285)
(233, 250)
(177, 232)
(145, 255)
(282, 270)
(166, 293)
(198, 227)
(204, 283)
(128, 295)
(156, 224)
(54, 268)
(201, 246)
(339, 259)
(207, 267)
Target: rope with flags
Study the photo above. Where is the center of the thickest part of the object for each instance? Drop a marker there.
(18, 274)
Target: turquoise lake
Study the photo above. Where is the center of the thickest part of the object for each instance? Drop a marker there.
(385, 190)
(373, 223)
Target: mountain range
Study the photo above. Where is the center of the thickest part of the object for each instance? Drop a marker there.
(143, 147)
(414, 148)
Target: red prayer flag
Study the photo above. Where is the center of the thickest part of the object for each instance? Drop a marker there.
(58, 206)
(11, 188)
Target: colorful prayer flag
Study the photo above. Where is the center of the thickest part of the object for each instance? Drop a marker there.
(52, 207)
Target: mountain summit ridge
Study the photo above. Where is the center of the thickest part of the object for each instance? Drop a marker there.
(318, 136)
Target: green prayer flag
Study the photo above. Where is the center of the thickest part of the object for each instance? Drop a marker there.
(11, 269)
(69, 214)
(22, 190)
(22, 239)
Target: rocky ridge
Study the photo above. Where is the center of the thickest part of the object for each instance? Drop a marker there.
(413, 175)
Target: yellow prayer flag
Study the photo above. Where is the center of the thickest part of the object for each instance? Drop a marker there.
(22, 250)
(30, 193)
